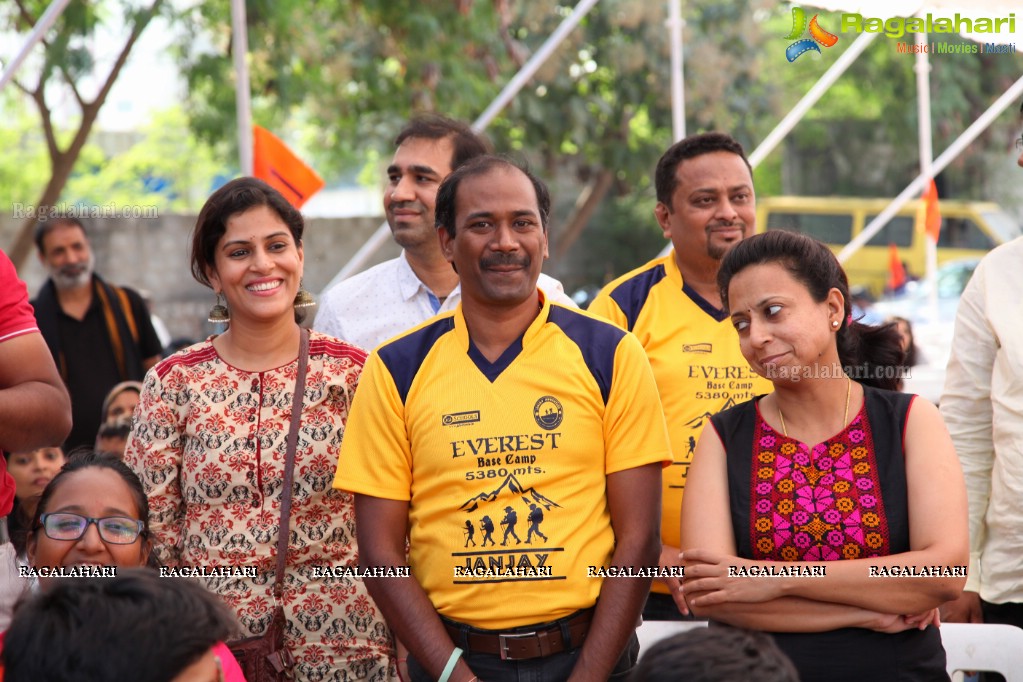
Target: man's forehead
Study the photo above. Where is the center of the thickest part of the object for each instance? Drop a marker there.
(66, 232)
(711, 165)
(424, 153)
(498, 180)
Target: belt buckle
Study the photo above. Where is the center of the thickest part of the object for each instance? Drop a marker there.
(502, 642)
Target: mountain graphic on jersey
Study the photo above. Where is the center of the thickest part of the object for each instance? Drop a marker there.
(698, 421)
(512, 485)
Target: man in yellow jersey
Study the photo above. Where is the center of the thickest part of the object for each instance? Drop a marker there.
(508, 414)
(705, 205)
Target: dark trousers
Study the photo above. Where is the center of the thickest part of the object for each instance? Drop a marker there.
(553, 668)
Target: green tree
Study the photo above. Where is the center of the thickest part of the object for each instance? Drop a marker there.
(343, 77)
(66, 62)
(167, 168)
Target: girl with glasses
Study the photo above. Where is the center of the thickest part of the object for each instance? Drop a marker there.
(93, 512)
(94, 515)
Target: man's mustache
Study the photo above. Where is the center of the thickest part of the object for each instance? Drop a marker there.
(501, 260)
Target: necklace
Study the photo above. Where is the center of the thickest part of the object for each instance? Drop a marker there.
(845, 419)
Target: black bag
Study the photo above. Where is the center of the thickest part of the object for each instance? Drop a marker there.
(264, 658)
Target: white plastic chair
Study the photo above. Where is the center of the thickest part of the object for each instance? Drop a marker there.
(652, 631)
(983, 646)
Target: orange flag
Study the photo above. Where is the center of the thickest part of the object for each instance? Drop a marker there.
(278, 166)
(896, 273)
(932, 216)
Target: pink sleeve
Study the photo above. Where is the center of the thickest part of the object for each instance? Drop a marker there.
(232, 671)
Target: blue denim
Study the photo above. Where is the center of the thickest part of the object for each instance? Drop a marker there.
(553, 668)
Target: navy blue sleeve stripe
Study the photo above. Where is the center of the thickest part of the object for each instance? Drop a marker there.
(403, 357)
(597, 341)
(631, 295)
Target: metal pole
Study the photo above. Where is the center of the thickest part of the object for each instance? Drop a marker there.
(51, 14)
(242, 96)
(923, 106)
(533, 65)
(675, 24)
(379, 238)
(914, 188)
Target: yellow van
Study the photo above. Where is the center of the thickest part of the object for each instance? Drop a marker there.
(969, 229)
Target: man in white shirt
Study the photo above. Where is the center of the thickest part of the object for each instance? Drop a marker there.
(379, 303)
(983, 408)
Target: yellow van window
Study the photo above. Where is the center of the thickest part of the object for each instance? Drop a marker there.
(898, 231)
(829, 228)
(963, 233)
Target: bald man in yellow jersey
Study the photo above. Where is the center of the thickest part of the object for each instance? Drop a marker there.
(705, 205)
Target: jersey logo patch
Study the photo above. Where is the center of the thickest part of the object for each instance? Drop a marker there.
(548, 413)
(460, 418)
(697, 348)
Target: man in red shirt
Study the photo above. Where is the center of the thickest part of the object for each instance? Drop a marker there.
(35, 410)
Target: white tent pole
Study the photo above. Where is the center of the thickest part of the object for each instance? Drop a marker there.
(914, 188)
(810, 98)
(923, 104)
(675, 24)
(242, 95)
(51, 14)
(383, 233)
(533, 65)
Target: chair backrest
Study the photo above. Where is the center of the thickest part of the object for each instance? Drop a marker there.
(984, 646)
(654, 630)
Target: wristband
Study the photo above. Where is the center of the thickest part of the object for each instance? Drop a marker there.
(450, 667)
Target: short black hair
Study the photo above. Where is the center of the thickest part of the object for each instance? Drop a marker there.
(467, 143)
(136, 626)
(665, 181)
(237, 196)
(47, 226)
(444, 211)
(715, 654)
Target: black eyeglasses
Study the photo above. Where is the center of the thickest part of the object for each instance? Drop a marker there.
(1019, 142)
(117, 530)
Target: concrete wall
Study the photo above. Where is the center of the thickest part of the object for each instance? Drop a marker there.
(152, 254)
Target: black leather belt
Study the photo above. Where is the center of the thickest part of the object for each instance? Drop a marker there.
(524, 642)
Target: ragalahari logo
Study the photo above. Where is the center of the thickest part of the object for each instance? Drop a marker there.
(817, 36)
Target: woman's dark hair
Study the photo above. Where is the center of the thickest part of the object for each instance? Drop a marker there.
(235, 197)
(871, 355)
(18, 526)
(136, 626)
(911, 353)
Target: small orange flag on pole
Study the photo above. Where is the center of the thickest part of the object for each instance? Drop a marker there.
(932, 216)
(278, 166)
(896, 273)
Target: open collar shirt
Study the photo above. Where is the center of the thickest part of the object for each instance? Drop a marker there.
(386, 300)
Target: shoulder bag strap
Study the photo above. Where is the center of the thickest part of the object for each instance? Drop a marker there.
(289, 463)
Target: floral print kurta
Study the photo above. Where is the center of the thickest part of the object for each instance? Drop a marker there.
(209, 443)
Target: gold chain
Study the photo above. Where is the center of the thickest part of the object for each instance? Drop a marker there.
(845, 419)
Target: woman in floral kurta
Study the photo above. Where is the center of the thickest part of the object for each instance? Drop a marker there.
(209, 443)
